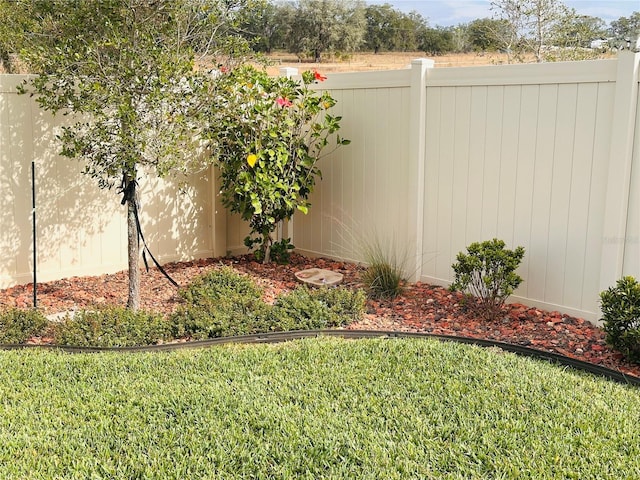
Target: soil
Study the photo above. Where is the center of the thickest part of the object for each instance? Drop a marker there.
(421, 308)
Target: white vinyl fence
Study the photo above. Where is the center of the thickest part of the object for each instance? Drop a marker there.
(545, 156)
(81, 230)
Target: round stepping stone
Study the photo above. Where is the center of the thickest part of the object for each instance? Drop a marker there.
(319, 277)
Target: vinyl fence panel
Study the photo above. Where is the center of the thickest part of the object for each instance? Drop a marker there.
(81, 230)
(363, 195)
(537, 155)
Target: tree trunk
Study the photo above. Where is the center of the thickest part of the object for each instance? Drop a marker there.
(133, 249)
(266, 241)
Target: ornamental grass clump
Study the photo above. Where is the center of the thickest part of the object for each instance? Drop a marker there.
(620, 307)
(384, 276)
(487, 273)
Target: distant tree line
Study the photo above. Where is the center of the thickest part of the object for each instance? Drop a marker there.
(312, 29)
(546, 29)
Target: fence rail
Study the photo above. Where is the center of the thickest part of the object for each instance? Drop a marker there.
(544, 156)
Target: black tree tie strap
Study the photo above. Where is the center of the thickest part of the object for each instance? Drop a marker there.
(128, 191)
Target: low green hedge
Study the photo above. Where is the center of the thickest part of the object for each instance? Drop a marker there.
(307, 309)
(221, 303)
(17, 326)
(111, 327)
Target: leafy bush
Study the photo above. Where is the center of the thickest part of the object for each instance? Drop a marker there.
(221, 303)
(17, 326)
(218, 284)
(384, 276)
(235, 314)
(487, 272)
(306, 309)
(269, 136)
(620, 307)
(110, 327)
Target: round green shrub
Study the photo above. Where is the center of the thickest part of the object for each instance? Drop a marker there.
(217, 284)
(487, 273)
(620, 307)
(17, 326)
(220, 303)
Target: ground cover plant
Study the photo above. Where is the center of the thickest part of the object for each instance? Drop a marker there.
(111, 327)
(17, 326)
(220, 303)
(316, 408)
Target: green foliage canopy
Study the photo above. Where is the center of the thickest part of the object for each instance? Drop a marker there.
(124, 72)
(269, 135)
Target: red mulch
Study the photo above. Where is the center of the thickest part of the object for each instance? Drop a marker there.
(422, 308)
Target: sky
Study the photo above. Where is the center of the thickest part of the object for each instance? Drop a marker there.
(446, 13)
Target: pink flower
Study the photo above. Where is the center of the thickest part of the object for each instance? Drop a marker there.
(319, 77)
(283, 102)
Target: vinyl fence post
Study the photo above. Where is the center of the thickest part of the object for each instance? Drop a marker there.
(417, 146)
(621, 152)
(288, 224)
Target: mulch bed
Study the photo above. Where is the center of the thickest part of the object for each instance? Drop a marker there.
(422, 308)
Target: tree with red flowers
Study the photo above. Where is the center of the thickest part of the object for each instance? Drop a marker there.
(270, 134)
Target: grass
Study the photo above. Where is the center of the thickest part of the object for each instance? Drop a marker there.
(322, 408)
(386, 262)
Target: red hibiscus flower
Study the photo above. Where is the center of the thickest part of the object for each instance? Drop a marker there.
(318, 76)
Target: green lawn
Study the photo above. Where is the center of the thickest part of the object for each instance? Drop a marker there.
(321, 408)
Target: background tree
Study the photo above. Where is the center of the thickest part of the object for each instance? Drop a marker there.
(123, 70)
(410, 28)
(512, 13)
(266, 27)
(625, 29)
(572, 36)
(534, 26)
(460, 38)
(487, 34)
(320, 26)
(436, 41)
(382, 25)
(17, 20)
